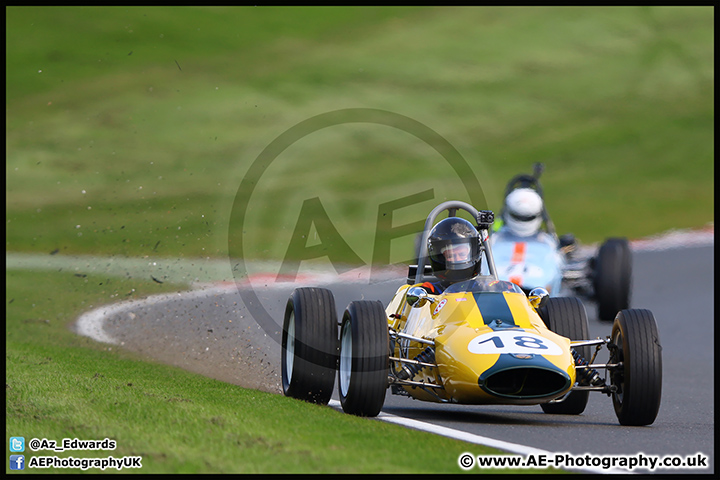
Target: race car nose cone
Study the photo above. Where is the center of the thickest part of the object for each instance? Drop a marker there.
(519, 378)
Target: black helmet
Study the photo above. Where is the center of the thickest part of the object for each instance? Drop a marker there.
(454, 250)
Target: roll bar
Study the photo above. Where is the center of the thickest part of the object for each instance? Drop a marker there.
(483, 218)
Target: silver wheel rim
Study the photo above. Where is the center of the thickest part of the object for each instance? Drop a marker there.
(290, 347)
(345, 367)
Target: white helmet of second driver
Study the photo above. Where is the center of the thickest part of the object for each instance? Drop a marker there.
(523, 212)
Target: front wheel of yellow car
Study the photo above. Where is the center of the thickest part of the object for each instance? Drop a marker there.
(638, 381)
(364, 357)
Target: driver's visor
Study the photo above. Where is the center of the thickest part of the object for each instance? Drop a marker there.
(457, 253)
(524, 218)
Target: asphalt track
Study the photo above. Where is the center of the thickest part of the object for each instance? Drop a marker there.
(212, 332)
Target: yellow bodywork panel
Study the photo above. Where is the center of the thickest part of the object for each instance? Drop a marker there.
(476, 334)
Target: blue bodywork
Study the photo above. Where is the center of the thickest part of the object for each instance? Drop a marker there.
(529, 262)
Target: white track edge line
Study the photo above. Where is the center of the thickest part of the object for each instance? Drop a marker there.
(472, 438)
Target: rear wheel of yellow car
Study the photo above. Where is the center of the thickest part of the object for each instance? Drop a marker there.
(566, 316)
(309, 345)
(638, 381)
(364, 357)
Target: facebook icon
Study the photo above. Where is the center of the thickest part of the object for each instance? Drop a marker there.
(17, 462)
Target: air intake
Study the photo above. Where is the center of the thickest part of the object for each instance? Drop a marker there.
(525, 382)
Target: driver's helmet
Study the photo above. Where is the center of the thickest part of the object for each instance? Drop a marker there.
(454, 250)
(523, 212)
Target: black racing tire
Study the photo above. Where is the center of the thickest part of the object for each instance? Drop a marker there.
(566, 316)
(639, 380)
(613, 277)
(364, 359)
(309, 345)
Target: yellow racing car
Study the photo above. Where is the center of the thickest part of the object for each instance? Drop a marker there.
(455, 333)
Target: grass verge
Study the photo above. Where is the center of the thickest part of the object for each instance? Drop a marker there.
(129, 130)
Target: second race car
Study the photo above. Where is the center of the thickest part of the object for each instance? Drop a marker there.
(529, 253)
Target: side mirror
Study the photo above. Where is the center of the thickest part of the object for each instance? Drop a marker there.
(416, 297)
(538, 297)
